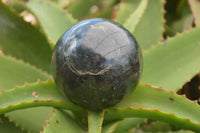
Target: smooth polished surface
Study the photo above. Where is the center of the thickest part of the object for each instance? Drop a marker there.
(94, 62)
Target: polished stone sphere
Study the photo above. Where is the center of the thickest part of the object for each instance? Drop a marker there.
(96, 63)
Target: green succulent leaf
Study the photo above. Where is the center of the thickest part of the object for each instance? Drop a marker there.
(182, 17)
(63, 3)
(127, 124)
(182, 24)
(61, 122)
(149, 29)
(194, 5)
(30, 119)
(21, 6)
(154, 103)
(105, 13)
(157, 126)
(23, 41)
(16, 72)
(95, 120)
(182, 9)
(33, 95)
(37, 94)
(7, 126)
(176, 58)
(81, 8)
(109, 128)
(54, 20)
(181, 131)
(135, 17)
(124, 9)
(157, 104)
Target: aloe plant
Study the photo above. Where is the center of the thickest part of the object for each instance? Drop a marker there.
(167, 32)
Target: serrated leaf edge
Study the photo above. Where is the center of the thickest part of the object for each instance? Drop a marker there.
(162, 89)
(48, 102)
(16, 125)
(28, 10)
(134, 14)
(100, 120)
(27, 64)
(164, 42)
(18, 16)
(170, 116)
(47, 122)
(52, 44)
(193, 12)
(156, 110)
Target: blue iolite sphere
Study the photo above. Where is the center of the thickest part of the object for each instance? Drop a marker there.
(96, 63)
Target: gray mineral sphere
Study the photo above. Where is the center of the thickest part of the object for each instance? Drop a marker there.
(94, 62)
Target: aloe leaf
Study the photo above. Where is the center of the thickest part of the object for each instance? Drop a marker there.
(21, 6)
(23, 41)
(95, 121)
(33, 95)
(194, 5)
(124, 9)
(54, 20)
(182, 24)
(155, 103)
(80, 8)
(7, 126)
(16, 72)
(29, 119)
(183, 20)
(181, 131)
(157, 126)
(149, 29)
(127, 124)
(60, 122)
(63, 3)
(37, 94)
(182, 8)
(13, 71)
(135, 17)
(110, 127)
(104, 13)
(178, 58)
